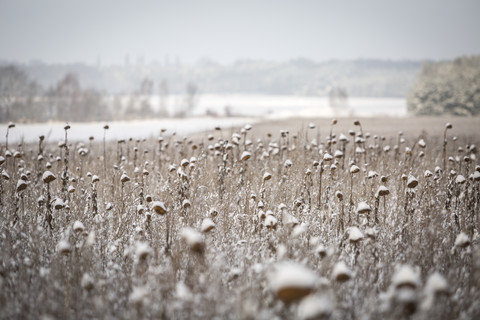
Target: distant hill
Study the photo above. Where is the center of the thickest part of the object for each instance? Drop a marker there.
(362, 78)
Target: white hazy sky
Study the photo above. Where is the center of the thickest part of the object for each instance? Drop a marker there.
(84, 30)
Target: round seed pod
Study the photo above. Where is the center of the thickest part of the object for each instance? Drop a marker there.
(341, 272)
(159, 207)
(291, 282)
(363, 208)
(21, 185)
(412, 182)
(48, 177)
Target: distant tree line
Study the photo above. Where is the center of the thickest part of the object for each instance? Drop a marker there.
(361, 78)
(451, 87)
(25, 100)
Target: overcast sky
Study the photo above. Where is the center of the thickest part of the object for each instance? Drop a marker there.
(85, 30)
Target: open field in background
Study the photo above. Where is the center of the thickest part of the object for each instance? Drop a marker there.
(250, 223)
(386, 126)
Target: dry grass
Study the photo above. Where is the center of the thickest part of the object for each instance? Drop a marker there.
(121, 236)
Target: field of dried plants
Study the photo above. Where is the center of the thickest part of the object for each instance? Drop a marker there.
(323, 220)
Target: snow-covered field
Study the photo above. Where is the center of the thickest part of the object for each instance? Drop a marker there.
(53, 131)
(277, 106)
(247, 108)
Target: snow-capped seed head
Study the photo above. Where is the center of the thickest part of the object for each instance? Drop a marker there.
(339, 195)
(460, 179)
(363, 208)
(261, 215)
(270, 222)
(267, 176)
(207, 225)
(405, 276)
(2, 160)
(341, 272)
(95, 178)
(59, 204)
(354, 169)
(372, 174)
(321, 250)
(48, 177)
(11, 125)
(184, 163)
(342, 137)
(327, 157)
(245, 155)
(124, 178)
(371, 233)
(428, 174)
(41, 200)
(106, 127)
(193, 239)
(260, 204)
(87, 282)
(421, 143)
(248, 126)
(289, 220)
(78, 226)
(476, 176)
(291, 282)
(64, 247)
(462, 240)
(315, 306)
(140, 209)
(382, 191)
(288, 163)
(448, 125)
(21, 185)
(186, 204)
(311, 125)
(142, 250)
(355, 235)
(412, 182)
(338, 154)
(436, 284)
(159, 207)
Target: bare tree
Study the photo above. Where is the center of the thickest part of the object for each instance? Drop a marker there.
(13, 86)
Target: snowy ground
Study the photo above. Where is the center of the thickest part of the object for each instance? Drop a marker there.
(248, 108)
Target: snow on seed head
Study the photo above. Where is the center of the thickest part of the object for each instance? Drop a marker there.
(124, 178)
(64, 247)
(412, 182)
(48, 177)
(462, 240)
(159, 207)
(406, 276)
(363, 208)
(78, 226)
(315, 306)
(291, 282)
(193, 240)
(354, 169)
(341, 272)
(460, 179)
(207, 225)
(355, 235)
(382, 191)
